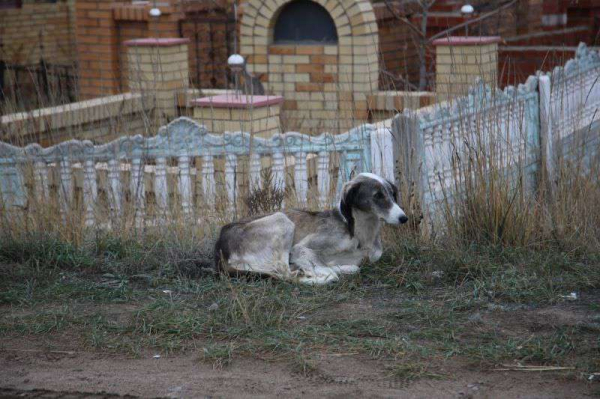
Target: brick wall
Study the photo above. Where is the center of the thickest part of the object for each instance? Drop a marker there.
(97, 49)
(517, 63)
(36, 31)
(307, 77)
(397, 51)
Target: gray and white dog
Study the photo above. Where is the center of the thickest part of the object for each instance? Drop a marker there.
(313, 247)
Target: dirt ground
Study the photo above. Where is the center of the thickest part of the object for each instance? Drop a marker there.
(86, 374)
(55, 367)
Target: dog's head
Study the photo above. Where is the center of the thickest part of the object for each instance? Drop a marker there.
(372, 194)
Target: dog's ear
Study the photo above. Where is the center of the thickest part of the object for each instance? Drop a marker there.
(395, 191)
(349, 193)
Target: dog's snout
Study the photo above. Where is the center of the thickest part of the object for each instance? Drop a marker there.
(403, 219)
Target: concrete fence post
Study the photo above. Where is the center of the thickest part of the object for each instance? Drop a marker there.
(382, 153)
(547, 156)
(409, 156)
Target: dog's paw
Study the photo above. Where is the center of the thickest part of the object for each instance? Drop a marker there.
(319, 275)
(319, 279)
(346, 269)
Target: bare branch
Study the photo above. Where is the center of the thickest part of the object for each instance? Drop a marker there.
(400, 78)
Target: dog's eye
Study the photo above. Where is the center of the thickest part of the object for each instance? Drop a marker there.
(378, 195)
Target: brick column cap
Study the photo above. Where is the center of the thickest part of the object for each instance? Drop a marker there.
(157, 42)
(236, 101)
(466, 41)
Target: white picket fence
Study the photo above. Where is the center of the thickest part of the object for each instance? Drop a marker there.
(185, 149)
(523, 131)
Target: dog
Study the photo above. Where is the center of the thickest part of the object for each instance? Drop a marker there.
(313, 247)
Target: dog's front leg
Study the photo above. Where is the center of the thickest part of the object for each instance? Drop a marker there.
(346, 269)
(312, 269)
(376, 251)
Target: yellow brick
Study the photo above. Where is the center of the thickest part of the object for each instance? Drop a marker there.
(296, 59)
(344, 30)
(314, 105)
(330, 50)
(275, 68)
(345, 49)
(336, 13)
(296, 77)
(262, 43)
(315, 96)
(275, 59)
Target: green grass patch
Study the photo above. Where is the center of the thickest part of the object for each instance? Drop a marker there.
(417, 304)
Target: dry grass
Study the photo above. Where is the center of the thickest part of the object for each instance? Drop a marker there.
(500, 208)
(486, 206)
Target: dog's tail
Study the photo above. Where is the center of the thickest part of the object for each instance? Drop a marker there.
(220, 254)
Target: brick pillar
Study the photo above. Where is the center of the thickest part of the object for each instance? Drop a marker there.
(96, 37)
(158, 68)
(461, 60)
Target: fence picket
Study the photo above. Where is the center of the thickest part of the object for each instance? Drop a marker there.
(138, 191)
(40, 171)
(255, 167)
(230, 179)
(301, 178)
(114, 183)
(11, 185)
(323, 178)
(90, 191)
(185, 184)
(161, 190)
(66, 186)
(208, 180)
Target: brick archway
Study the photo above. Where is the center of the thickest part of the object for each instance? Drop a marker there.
(344, 72)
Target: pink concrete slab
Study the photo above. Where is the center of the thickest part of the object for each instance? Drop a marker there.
(236, 101)
(157, 42)
(466, 41)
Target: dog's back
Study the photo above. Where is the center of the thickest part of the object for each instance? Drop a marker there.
(257, 244)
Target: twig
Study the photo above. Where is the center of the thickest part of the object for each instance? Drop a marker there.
(400, 78)
(38, 351)
(342, 354)
(532, 368)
